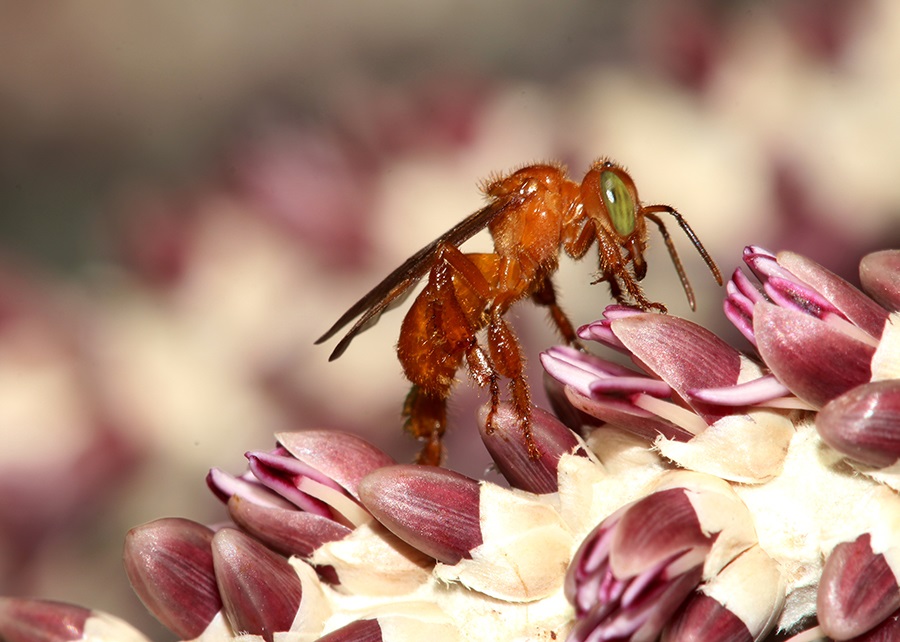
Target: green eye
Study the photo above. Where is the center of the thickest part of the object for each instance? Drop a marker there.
(618, 203)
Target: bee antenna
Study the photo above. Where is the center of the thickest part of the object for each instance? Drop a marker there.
(649, 212)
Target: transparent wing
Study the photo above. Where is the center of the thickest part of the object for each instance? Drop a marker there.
(396, 286)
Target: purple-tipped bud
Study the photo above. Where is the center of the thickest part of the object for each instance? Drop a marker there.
(315, 471)
(864, 423)
(815, 360)
(260, 590)
(683, 354)
(862, 311)
(504, 543)
(169, 564)
(358, 631)
(633, 571)
(611, 392)
(797, 284)
(879, 274)
(510, 452)
(857, 590)
(691, 378)
(432, 509)
(340, 456)
(289, 532)
(25, 620)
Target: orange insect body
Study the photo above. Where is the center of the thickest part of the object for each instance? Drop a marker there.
(532, 214)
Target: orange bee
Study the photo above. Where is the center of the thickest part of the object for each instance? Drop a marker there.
(532, 214)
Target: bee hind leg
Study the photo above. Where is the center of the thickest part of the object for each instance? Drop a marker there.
(506, 355)
(426, 420)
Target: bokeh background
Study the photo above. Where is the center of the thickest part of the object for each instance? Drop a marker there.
(190, 193)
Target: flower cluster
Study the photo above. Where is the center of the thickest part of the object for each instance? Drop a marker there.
(723, 496)
(790, 433)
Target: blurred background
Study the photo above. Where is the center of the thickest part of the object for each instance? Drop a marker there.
(191, 193)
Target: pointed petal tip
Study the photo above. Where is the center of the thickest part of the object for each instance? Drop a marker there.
(654, 529)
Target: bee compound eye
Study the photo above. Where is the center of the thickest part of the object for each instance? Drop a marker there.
(618, 202)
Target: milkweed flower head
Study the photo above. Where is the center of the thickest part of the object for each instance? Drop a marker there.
(706, 495)
(804, 432)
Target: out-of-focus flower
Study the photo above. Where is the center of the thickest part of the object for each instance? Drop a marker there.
(24, 620)
(64, 450)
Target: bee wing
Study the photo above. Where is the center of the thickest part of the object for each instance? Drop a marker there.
(396, 286)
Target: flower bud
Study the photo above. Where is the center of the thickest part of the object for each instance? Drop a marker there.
(879, 274)
(864, 423)
(169, 564)
(509, 450)
(260, 591)
(632, 572)
(503, 543)
(433, 509)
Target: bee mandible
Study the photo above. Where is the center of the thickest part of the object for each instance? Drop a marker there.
(532, 214)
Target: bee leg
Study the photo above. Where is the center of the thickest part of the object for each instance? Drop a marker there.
(635, 296)
(426, 419)
(506, 355)
(545, 295)
(484, 374)
(615, 271)
(435, 337)
(636, 292)
(615, 290)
